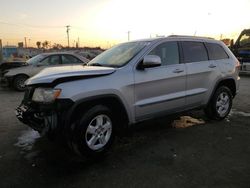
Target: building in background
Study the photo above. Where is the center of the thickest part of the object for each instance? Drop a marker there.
(14, 53)
(9, 52)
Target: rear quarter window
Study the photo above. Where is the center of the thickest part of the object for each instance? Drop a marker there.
(194, 51)
(216, 51)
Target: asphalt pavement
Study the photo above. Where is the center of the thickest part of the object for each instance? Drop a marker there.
(152, 154)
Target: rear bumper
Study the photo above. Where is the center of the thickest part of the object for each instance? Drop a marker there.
(245, 68)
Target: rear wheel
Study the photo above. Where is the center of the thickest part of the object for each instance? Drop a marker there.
(220, 104)
(19, 82)
(94, 132)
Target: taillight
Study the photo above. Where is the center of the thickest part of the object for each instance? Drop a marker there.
(238, 66)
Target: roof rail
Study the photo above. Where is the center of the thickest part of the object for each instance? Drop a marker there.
(190, 36)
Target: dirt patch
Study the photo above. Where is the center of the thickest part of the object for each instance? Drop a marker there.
(187, 121)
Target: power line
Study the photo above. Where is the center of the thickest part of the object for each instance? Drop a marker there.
(78, 27)
(31, 26)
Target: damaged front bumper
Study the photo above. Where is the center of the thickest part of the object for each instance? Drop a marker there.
(42, 117)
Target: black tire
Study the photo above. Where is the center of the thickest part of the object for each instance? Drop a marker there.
(79, 137)
(18, 82)
(212, 110)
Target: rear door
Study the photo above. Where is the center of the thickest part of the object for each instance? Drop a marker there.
(161, 89)
(220, 58)
(201, 72)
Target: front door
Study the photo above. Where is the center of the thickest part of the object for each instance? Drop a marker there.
(161, 89)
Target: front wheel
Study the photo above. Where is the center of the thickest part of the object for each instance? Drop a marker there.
(220, 104)
(19, 82)
(94, 132)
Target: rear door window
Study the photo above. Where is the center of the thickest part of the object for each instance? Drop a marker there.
(216, 52)
(194, 51)
(69, 59)
(51, 60)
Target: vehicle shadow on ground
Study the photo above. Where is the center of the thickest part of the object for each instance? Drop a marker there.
(56, 157)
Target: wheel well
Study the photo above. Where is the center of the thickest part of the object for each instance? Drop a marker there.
(11, 82)
(113, 103)
(230, 83)
(14, 77)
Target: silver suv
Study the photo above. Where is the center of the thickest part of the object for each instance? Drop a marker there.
(129, 83)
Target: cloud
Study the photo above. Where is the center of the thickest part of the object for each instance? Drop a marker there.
(23, 16)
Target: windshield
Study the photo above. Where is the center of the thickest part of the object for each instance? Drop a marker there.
(119, 55)
(36, 59)
(245, 40)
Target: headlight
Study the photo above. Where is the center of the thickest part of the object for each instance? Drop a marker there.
(46, 95)
(4, 72)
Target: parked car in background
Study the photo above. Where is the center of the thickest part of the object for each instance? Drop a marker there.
(5, 66)
(16, 77)
(127, 84)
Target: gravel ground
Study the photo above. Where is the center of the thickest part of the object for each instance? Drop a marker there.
(153, 154)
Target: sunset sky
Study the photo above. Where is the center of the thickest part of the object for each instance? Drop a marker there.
(106, 22)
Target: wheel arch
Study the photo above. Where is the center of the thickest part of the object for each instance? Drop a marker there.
(228, 82)
(110, 100)
(19, 74)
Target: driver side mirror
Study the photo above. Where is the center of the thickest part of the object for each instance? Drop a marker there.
(150, 61)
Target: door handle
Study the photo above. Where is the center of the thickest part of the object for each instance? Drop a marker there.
(178, 71)
(212, 66)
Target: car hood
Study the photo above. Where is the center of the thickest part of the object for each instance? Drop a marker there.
(68, 73)
(17, 70)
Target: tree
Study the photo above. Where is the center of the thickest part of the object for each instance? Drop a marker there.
(45, 44)
(57, 46)
(38, 43)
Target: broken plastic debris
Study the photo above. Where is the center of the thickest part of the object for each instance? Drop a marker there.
(187, 121)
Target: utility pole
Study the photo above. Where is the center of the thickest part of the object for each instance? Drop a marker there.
(128, 35)
(68, 28)
(25, 42)
(1, 51)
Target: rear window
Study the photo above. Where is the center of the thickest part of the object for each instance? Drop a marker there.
(194, 51)
(215, 51)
